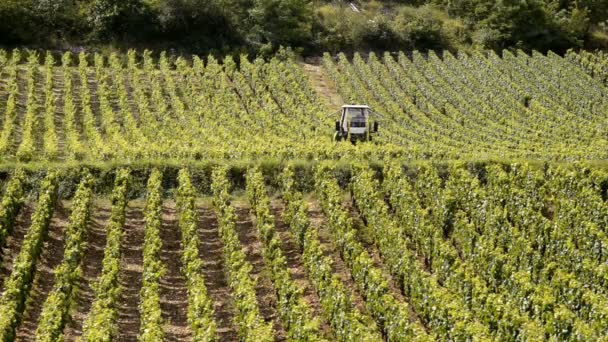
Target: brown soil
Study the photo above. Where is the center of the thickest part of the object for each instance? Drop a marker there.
(211, 252)
(319, 222)
(3, 92)
(252, 246)
(20, 109)
(52, 254)
(91, 267)
(112, 82)
(131, 267)
(77, 92)
(296, 267)
(58, 90)
(40, 99)
(323, 86)
(173, 290)
(366, 238)
(15, 240)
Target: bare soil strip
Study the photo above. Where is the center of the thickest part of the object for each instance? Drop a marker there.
(366, 238)
(52, 255)
(58, 90)
(211, 251)
(3, 93)
(14, 241)
(95, 105)
(39, 126)
(323, 86)
(319, 222)
(128, 79)
(91, 267)
(173, 291)
(131, 268)
(20, 108)
(77, 91)
(296, 267)
(252, 245)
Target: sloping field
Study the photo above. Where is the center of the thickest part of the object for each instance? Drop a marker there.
(122, 108)
(458, 252)
(154, 198)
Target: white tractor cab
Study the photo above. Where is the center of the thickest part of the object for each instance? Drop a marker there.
(355, 124)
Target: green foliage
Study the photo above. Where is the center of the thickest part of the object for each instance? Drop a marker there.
(100, 324)
(55, 310)
(200, 306)
(16, 26)
(12, 202)
(281, 22)
(151, 320)
(109, 18)
(419, 28)
(26, 149)
(595, 64)
(390, 314)
(18, 285)
(248, 319)
(293, 310)
(347, 322)
(262, 26)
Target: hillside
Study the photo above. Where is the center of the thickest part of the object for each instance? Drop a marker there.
(94, 109)
(158, 198)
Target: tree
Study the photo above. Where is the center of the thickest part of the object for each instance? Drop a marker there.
(280, 22)
(16, 25)
(111, 18)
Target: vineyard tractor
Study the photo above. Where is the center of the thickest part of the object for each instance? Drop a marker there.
(356, 124)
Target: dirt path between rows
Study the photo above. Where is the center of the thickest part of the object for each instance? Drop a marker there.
(323, 86)
(131, 268)
(173, 291)
(14, 241)
(252, 245)
(365, 236)
(91, 267)
(296, 267)
(59, 92)
(16, 135)
(211, 252)
(52, 254)
(319, 222)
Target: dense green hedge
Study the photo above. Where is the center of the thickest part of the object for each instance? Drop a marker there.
(68, 175)
(260, 26)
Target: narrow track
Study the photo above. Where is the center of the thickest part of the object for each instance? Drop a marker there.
(91, 267)
(252, 245)
(173, 291)
(323, 86)
(131, 268)
(319, 222)
(14, 241)
(296, 267)
(215, 278)
(51, 257)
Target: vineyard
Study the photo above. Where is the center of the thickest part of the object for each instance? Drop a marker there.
(121, 108)
(160, 198)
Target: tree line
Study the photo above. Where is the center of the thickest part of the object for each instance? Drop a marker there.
(308, 26)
